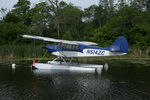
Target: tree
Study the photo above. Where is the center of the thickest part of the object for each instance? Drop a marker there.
(21, 7)
(65, 18)
(10, 32)
(138, 4)
(104, 3)
(40, 16)
(147, 4)
(3, 11)
(10, 17)
(21, 10)
(56, 12)
(108, 5)
(71, 20)
(122, 3)
(97, 15)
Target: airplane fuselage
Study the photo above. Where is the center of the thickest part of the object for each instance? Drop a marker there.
(81, 51)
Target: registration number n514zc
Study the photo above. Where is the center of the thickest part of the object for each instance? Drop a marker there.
(97, 52)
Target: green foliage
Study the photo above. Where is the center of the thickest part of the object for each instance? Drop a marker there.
(21, 10)
(71, 22)
(21, 7)
(10, 17)
(96, 15)
(68, 36)
(101, 23)
(10, 32)
(39, 16)
(128, 22)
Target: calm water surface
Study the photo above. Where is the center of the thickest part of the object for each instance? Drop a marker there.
(122, 81)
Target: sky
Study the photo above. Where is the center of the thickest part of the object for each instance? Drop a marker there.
(82, 3)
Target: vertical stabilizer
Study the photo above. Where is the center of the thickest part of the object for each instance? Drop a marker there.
(120, 45)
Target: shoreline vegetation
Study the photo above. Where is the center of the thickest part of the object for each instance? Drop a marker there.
(30, 52)
(15, 53)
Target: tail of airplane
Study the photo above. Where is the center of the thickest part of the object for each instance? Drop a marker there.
(120, 45)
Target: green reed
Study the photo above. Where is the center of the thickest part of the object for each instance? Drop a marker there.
(22, 51)
(138, 52)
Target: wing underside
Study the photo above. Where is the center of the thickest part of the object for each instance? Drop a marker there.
(58, 40)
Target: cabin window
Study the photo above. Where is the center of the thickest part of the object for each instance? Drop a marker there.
(69, 47)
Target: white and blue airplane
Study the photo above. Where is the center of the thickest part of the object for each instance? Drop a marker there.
(72, 49)
(67, 48)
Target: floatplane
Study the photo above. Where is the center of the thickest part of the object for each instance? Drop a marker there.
(74, 49)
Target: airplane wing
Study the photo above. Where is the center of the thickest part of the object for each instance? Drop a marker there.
(58, 40)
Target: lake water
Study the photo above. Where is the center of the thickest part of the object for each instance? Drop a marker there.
(123, 81)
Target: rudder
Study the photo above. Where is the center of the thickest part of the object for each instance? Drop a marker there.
(120, 45)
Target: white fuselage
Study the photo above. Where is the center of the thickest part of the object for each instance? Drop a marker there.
(87, 53)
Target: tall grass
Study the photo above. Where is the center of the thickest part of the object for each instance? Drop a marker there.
(22, 51)
(137, 52)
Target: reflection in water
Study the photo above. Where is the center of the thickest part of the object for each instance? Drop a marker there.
(106, 67)
(45, 71)
(35, 85)
(72, 85)
(127, 82)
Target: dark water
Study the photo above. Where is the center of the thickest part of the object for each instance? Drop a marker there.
(122, 81)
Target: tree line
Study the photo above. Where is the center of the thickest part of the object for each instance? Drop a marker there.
(101, 23)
